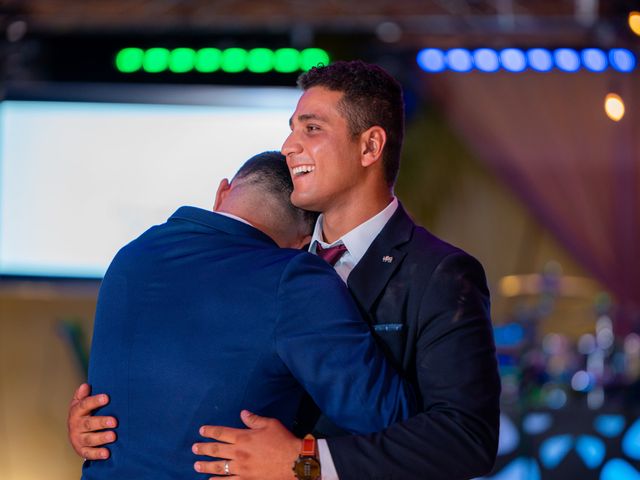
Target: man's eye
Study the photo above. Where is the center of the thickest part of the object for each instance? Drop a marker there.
(312, 128)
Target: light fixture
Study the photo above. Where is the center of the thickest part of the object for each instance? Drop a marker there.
(209, 60)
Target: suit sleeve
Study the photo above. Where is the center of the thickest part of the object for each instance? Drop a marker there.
(327, 346)
(456, 434)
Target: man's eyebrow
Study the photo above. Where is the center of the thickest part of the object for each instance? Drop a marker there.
(303, 117)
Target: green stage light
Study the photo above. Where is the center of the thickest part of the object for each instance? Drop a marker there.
(182, 60)
(260, 60)
(287, 60)
(234, 60)
(313, 57)
(208, 60)
(129, 60)
(155, 60)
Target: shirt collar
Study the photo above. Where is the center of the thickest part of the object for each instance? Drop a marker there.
(360, 238)
(235, 217)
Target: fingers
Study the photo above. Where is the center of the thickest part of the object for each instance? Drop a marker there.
(81, 424)
(84, 430)
(252, 420)
(83, 443)
(89, 404)
(96, 439)
(94, 453)
(94, 424)
(222, 434)
(81, 393)
(216, 468)
(218, 450)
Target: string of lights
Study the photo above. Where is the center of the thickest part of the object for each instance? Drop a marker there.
(209, 60)
(434, 60)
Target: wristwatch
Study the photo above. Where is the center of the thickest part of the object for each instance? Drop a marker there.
(307, 466)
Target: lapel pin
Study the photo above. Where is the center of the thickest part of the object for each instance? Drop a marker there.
(387, 259)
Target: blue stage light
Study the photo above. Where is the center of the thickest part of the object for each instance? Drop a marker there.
(431, 60)
(553, 450)
(591, 450)
(520, 468)
(618, 469)
(609, 425)
(540, 59)
(509, 437)
(508, 335)
(459, 60)
(434, 60)
(486, 60)
(582, 381)
(567, 59)
(622, 59)
(535, 423)
(631, 441)
(594, 59)
(513, 60)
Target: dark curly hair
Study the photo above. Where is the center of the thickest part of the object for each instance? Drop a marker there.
(370, 97)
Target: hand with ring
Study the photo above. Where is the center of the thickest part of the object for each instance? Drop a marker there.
(264, 451)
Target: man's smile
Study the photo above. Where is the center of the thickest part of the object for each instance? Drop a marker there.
(302, 170)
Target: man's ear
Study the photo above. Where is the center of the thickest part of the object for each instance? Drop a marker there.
(221, 193)
(373, 141)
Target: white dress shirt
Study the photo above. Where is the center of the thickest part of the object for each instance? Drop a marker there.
(357, 242)
(235, 217)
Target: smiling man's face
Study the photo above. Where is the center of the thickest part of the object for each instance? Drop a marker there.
(322, 155)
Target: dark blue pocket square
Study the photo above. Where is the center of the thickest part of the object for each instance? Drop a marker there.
(388, 327)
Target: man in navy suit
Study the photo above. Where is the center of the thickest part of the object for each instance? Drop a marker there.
(426, 301)
(204, 315)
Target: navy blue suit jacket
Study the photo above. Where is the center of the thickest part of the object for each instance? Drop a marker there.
(429, 308)
(203, 316)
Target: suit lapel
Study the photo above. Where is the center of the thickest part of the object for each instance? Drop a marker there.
(372, 273)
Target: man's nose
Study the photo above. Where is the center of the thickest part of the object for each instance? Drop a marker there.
(290, 145)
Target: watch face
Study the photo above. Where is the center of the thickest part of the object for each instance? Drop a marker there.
(307, 468)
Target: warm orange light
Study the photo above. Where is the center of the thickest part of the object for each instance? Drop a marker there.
(634, 22)
(510, 286)
(614, 107)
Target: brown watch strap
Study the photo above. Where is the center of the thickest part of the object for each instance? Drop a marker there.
(308, 446)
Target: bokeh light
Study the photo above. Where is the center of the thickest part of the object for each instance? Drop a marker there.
(622, 59)
(129, 60)
(431, 60)
(513, 60)
(459, 60)
(567, 59)
(614, 107)
(486, 60)
(594, 59)
(634, 22)
(540, 59)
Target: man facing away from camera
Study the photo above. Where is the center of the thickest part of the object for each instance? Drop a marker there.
(426, 301)
(204, 315)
